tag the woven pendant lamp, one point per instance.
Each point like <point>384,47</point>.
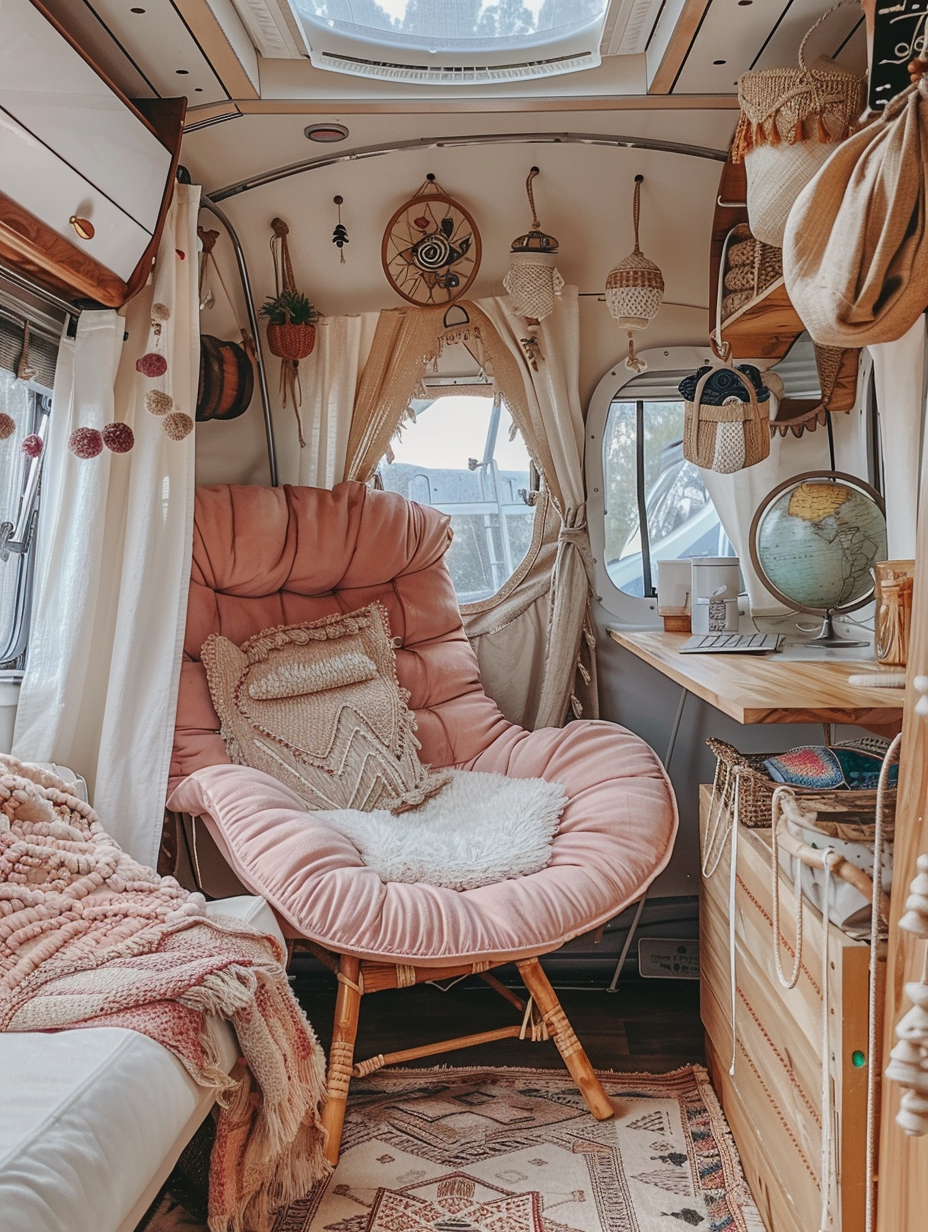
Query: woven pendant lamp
<point>533,280</point>
<point>634,290</point>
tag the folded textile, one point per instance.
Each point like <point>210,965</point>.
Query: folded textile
<point>90,938</point>
<point>847,766</point>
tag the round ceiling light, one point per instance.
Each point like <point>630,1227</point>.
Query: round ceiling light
<point>326,132</point>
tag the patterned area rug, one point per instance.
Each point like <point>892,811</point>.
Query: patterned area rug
<point>515,1150</point>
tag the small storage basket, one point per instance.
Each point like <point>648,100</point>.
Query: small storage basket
<point>750,268</point>
<point>741,779</point>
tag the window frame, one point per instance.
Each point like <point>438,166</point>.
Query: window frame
<point>442,387</point>
<point>18,538</point>
<point>627,609</point>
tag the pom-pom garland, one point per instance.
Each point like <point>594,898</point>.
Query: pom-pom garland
<point>177,425</point>
<point>33,445</point>
<point>85,443</point>
<point>158,402</point>
<point>118,437</point>
<point>152,364</point>
<point>7,426</point>
<point>160,312</point>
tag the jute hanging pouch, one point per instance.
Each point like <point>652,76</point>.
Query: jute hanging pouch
<point>725,420</point>
<point>791,121</point>
<point>855,253</point>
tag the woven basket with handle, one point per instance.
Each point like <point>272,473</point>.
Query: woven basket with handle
<point>843,814</point>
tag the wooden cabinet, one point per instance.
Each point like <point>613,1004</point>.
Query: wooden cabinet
<point>772,1039</point>
<point>86,176</point>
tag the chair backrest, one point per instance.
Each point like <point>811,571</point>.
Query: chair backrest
<point>264,557</point>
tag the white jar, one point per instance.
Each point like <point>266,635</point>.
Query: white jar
<point>715,577</point>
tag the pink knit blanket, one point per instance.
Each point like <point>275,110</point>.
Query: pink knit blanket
<point>90,938</point>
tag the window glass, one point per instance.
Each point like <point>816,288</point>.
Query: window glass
<point>460,456</point>
<point>653,478</point>
<point>450,25</point>
<point>19,488</point>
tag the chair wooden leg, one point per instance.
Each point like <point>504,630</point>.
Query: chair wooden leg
<point>341,1053</point>
<point>563,1035</point>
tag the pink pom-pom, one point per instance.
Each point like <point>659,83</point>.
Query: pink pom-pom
<point>85,443</point>
<point>177,425</point>
<point>32,446</point>
<point>152,364</point>
<point>7,425</point>
<point>118,437</point>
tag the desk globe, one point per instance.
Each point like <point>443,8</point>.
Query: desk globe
<point>814,541</point>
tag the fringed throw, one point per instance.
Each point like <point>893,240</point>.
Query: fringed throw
<point>90,938</point>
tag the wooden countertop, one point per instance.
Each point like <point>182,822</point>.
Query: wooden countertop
<point>788,687</point>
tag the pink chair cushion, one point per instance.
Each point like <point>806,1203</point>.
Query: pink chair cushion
<point>265,556</point>
<point>615,836</point>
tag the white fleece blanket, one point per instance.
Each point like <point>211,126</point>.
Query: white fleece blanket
<point>480,829</point>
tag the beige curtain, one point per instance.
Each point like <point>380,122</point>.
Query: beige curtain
<point>541,619</point>
<point>545,404</point>
<point>333,376</point>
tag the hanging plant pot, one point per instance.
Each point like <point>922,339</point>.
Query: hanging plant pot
<point>291,341</point>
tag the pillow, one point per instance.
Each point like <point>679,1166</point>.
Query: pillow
<point>483,829</point>
<point>318,706</point>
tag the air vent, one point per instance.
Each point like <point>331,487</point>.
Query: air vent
<point>632,24</point>
<point>453,75</point>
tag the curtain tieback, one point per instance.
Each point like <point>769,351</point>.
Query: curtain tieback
<point>577,537</point>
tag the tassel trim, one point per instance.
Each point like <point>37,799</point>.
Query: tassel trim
<point>768,131</point>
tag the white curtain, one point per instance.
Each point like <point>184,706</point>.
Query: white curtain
<point>553,432</point>
<point>331,379</point>
<point>899,375</point>
<point>737,496</point>
<point>113,553</point>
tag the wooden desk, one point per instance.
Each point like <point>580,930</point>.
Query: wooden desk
<point>770,688</point>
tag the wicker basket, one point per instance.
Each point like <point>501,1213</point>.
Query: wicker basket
<point>842,814</point>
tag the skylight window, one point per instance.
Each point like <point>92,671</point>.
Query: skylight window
<point>445,41</point>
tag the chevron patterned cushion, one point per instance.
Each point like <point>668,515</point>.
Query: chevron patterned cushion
<point>318,706</point>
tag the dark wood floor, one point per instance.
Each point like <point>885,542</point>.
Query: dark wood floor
<point>646,1025</point>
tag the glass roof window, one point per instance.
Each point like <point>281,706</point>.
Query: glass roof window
<point>453,41</point>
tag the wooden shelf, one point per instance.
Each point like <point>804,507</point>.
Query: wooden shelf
<point>767,326</point>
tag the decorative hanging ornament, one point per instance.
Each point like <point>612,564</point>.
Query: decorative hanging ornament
<point>340,234</point>
<point>431,247</point>
<point>634,290</point>
<point>533,281</point>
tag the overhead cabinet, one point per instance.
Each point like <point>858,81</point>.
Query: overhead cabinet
<point>86,177</point>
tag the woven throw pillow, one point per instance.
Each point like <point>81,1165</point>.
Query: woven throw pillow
<point>318,706</point>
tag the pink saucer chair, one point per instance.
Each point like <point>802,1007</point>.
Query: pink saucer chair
<point>264,557</point>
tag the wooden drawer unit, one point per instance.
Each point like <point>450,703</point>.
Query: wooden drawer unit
<point>773,1098</point>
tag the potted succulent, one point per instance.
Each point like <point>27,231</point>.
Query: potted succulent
<point>291,330</point>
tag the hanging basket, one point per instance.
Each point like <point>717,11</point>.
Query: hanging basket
<point>635,290</point>
<point>290,341</point>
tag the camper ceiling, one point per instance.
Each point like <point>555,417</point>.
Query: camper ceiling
<point>568,51</point>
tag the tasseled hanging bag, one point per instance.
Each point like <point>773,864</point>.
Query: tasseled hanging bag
<point>791,121</point>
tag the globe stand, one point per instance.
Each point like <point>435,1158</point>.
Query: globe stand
<point>828,637</point>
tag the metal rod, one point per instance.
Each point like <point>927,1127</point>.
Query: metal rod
<point>439,143</point>
<point>208,204</point>
<point>632,929</point>
<point>28,285</point>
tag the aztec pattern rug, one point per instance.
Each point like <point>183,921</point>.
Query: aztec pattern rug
<point>515,1150</point>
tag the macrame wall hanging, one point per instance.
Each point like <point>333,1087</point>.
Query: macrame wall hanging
<point>635,290</point>
<point>533,280</point>
<point>291,329</point>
